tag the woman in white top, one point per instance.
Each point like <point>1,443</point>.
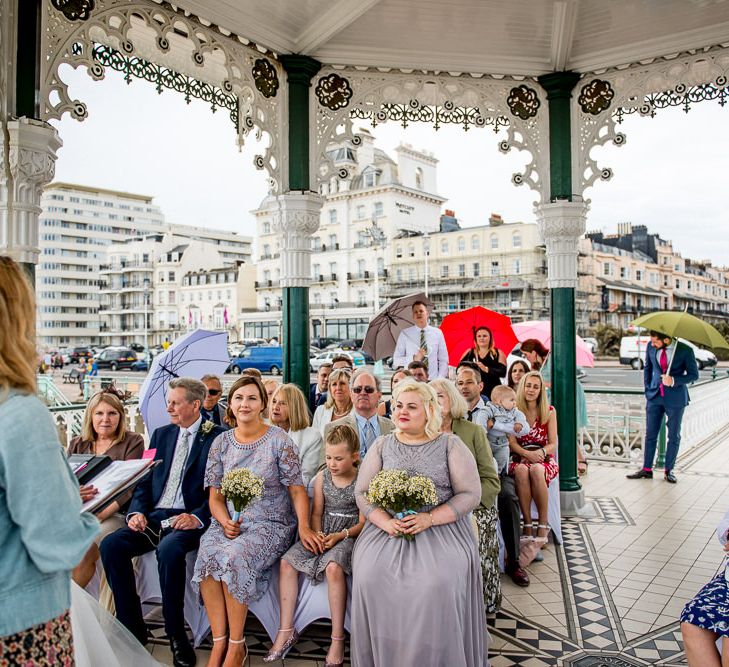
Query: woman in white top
<point>289,411</point>
<point>339,400</point>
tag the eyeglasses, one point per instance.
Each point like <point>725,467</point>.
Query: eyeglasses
<point>214,392</point>
<point>366,390</point>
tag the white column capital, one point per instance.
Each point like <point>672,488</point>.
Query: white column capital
<point>561,225</point>
<point>31,162</point>
<point>295,219</point>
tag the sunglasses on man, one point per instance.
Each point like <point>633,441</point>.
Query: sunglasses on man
<point>214,392</point>
<point>366,390</point>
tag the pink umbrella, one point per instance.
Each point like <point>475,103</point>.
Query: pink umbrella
<point>542,331</point>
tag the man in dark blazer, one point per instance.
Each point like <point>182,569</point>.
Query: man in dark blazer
<point>211,409</point>
<point>666,393</point>
<point>168,514</point>
<point>318,390</point>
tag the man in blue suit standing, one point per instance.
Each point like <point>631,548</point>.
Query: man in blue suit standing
<point>168,514</point>
<point>666,393</point>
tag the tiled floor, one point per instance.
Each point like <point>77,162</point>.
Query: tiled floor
<point>611,594</point>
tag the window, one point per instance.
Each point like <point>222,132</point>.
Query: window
<point>316,270</point>
<point>266,276</point>
<point>360,212</point>
<point>474,243</point>
<point>461,244</point>
<point>360,267</point>
<point>678,284</point>
<point>638,274</point>
<point>266,227</point>
<point>398,251</point>
<point>266,251</point>
<point>333,300</point>
<point>494,242</point>
<point>316,244</point>
<point>516,240</point>
<point>317,298</point>
<point>624,272</point>
<point>369,179</point>
<point>444,271</point>
<point>361,298</point>
<point>419,181</point>
<point>398,275</point>
<point>494,268</point>
<point>333,217</point>
<point>378,209</point>
<point>517,266</point>
<point>476,269</point>
<point>444,247</point>
<point>171,297</point>
<point>607,269</point>
<point>170,275</point>
<point>411,251</point>
<point>333,268</point>
<point>461,270</point>
<point>332,241</point>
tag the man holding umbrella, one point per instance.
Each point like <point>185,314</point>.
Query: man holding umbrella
<point>670,366</point>
<point>422,342</point>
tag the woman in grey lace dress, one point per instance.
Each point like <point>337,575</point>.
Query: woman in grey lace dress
<point>235,558</point>
<point>420,602</point>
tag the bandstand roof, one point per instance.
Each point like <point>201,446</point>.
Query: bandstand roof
<point>523,37</point>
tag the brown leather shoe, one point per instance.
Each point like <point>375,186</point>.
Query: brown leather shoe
<point>520,577</point>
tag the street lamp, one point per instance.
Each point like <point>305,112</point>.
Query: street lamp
<point>146,302</point>
<point>378,239</point>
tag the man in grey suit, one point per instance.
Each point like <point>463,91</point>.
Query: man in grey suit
<point>366,393</point>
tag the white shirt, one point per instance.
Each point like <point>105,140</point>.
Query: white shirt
<point>192,430</point>
<point>479,414</point>
<point>408,344</point>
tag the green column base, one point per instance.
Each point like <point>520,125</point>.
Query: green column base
<point>295,341</point>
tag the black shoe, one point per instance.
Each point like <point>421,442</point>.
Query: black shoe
<point>670,477</point>
<point>183,654</point>
<point>641,474</point>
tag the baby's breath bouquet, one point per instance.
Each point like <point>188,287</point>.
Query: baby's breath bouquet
<point>241,486</point>
<point>397,492</point>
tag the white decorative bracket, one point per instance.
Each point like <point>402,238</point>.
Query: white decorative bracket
<point>561,225</point>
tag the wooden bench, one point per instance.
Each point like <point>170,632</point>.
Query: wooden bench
<point>71,377</point>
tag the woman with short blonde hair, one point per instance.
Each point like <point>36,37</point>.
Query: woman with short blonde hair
<point>458,405</point>
<point>339,400</point>
<point>429,399</point>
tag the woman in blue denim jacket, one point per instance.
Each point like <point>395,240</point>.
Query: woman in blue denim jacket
<point>42,531</point>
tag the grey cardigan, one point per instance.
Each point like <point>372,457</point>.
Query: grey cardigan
<point>42,532</point>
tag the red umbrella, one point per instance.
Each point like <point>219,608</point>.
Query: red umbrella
<point>458,330</point>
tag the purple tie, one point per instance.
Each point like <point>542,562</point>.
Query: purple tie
<point>664,366</point>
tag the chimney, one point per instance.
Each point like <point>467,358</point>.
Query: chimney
<point>495,220</point>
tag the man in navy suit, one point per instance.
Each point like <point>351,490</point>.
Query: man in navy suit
<point>666,393</point>
<point>318,389</point>
<point>168,514</point>
<point>211,409</point>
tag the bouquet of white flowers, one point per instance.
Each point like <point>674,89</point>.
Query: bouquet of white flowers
<point>397,492</point>
<point>241,486</point>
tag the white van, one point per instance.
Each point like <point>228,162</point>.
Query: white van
<point>632,352</point>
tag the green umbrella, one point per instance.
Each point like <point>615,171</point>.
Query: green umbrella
<point>681,324</point>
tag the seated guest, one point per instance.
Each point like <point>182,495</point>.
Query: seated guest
<point>419,370</point>
<point>452,412</point>
<point>338,522</point>
<point>211,409</point>
<point>534,466</point>
<point>42,530</point>
<point>384,409</point>
<point>288,411</point>
<point>234,562</point>
<point>419,603</point>
<point>339,400</point>
<point>168,515</point>
<point>363,418</point>
<point>342,361</point>
<point>318,389</point>
<point>271,386</point>
<point>705,619</point>
<point>104,433</point>
<point>468,381</point>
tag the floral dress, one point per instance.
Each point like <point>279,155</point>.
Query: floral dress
<point>269,523</point>
<point>340,512</point>
<point>537,437</point>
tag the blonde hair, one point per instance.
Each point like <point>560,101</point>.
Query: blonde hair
<point>343,434</point>
<point>427,394</point>
<point>87,429</point>
<point>542,401</point>
<point>335,376</point>
<point>299,417</point>
<point>500,392</point>
<point>459,407</point>
<point>17,333</point>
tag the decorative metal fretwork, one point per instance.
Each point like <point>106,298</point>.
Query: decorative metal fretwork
<point>681,96</point>
<point>75,10</point>
<point>162,77</point>
<point>523,102</point>
<point>265,77</point>
<point>414,112</point>
<point>595,97</point>
<point>333,92</point>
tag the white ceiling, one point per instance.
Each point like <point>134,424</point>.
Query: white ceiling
<point>516,37</point>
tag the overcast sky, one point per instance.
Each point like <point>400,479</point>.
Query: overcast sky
<point>671,174</point>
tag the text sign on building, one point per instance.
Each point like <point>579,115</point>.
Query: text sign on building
<point>406,209</point>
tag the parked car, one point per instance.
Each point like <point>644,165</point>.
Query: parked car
<point>358,359</point>
<point>116,358</point>
<point>351,344</point>
<point>591,343</point>
<point>632,352</point>
<point>140,365</point>
<point>265,358</point>
<point>82,351</point>
<point>323,341</point>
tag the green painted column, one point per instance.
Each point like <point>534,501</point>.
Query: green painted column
<point>300,70</point>
<point>561,240</point>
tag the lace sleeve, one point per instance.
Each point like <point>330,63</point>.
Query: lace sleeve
<point>465,481</point>
<point>371,465</point>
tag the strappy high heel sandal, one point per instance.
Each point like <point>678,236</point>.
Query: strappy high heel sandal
<point>247,659</point>
<point>273,656</point>
<point>541,541</point>
<point>527,538</point>
<point>341,662</point>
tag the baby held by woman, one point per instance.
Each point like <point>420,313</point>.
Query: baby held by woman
<point>504,419</point>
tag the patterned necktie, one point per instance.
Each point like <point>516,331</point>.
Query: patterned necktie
<point>424,347</point>
<point>664,367</point>
<point>176,470</point>
<point>369,438</point>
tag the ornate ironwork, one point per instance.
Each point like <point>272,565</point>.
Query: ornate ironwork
<point>523,102</point>
<point>265,77</point>
<point>680,96</point>
<point>162,77</point>
<point>595,97</point>
<point>75,10</point>
<point>414,112</point>
<point>333,92</point>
